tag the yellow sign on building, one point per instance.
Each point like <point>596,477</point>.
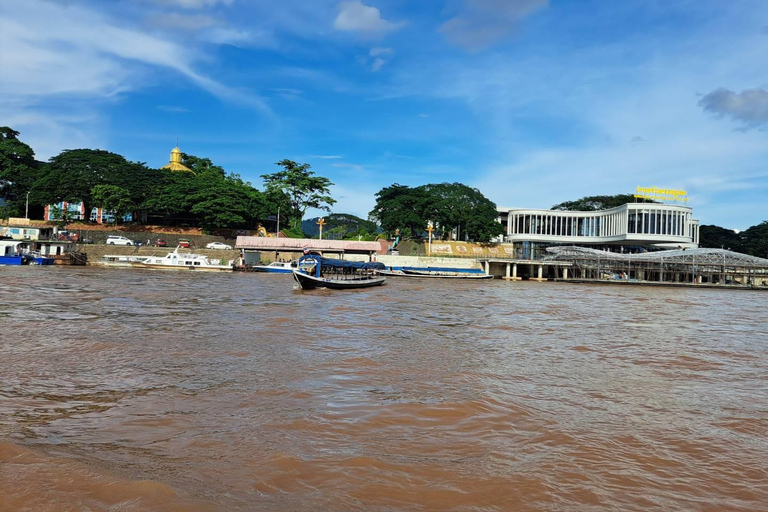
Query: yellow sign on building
<point>661,194</point>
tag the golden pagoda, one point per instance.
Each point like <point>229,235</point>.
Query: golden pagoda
<point>175,163</point>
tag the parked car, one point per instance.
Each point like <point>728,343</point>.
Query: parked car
<point>138,243</point>
<point>160,242</point>
<point>218,245</point>
<point>185,243</point>
<point>118,240</point>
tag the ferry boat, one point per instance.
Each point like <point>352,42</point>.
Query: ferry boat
<point>315,271</point>
<point>176,260</point>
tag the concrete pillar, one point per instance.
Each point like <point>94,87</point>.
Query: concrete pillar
<point>487,267</point>
<point>565,272</point>
<point>507,274</point>
<point>541,272</point>
<point>514,271</point>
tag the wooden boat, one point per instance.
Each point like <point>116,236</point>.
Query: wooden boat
<point>315,271</point>
<point>176,260</point>
<point>440,273</point>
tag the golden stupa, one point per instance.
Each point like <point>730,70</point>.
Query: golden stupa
<point>175,163</point>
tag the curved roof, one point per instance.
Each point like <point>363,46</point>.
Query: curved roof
<point>700,256</point>
<point>263,243</point>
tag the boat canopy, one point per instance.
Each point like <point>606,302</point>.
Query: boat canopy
<point>342,264</point>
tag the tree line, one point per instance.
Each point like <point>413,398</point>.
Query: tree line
<point>208,196</point>
<point>212,198</point>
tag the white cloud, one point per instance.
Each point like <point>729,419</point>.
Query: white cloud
<point>60,49</point>
<point>377,63</point>
<point>379,52</point>
<point>354,16</point>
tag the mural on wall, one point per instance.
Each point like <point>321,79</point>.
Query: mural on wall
<point>471,250</point>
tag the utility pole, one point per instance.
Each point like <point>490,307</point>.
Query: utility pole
<point>430,228</point>
<point>26,208</point>
<point>277,233</point>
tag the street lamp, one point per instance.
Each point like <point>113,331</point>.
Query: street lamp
<point>26,208</point>
<point>321,223</point>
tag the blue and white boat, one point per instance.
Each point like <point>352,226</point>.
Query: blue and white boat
<point>315,271</point>
<point>437,272</point>
<point>11,253</point>
<point>276,267</point>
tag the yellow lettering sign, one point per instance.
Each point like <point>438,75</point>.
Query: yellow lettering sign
<point>661,194</point>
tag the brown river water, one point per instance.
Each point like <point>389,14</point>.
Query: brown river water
<point>133,390</point>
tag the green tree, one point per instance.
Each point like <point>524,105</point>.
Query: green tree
<point>303,189</point>
<point>72,175</point>
<point>18,172</point>
<point>451,207</point>
<point>594,203</point>
<point>400,207</point>
<point>114,198</point>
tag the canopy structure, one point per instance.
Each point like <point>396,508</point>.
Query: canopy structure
<point>699,256</point>
<point>342,264</point>
<point>687,265</point>
<point>261,243</point>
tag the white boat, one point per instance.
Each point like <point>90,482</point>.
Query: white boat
<point>120,260</point>
<point>176,260</point>
<point>276,267</point>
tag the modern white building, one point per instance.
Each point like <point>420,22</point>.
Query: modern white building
<point>633,224</point>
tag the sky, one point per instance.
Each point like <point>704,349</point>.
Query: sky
<point>533,102</point>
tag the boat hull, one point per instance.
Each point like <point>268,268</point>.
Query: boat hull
<point>13,260</point>
<point>436,274</point>
<point>307,282</point>
<point>196,268</point>
<point>272,270</point>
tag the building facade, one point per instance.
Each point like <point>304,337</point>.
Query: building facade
<point>640,225</point>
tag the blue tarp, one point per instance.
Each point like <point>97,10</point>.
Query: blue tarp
<point>334,263</point>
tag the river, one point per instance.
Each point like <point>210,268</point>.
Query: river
<point>124,389</point>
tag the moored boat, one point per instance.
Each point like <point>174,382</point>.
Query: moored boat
<point>11,253</point>
<point>176,260</point>
<point>121,260</point>
<point>441,273</point>
<point>276,267</point>
<point>315,271</point>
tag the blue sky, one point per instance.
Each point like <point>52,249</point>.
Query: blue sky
<point>534,102</point>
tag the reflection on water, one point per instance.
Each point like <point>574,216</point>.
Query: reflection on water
<point>141,390</point>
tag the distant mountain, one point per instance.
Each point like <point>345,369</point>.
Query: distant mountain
<point>340,226</point>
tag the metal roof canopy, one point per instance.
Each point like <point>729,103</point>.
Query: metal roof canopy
<point>260,243</point>
<point>698,256</point>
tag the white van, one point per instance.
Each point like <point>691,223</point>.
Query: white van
<point>118,240</point>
